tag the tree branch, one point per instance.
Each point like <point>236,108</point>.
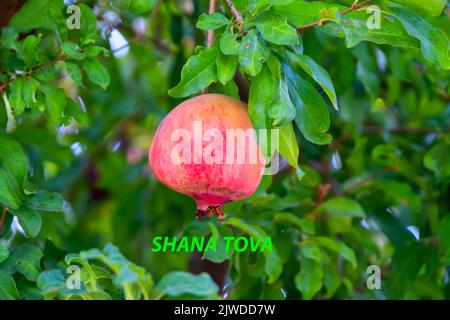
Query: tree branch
<point>2,219</point>
<point>212,9</point>
<point>235,12</point>
<point>3,86</point>
<point>355,6</point>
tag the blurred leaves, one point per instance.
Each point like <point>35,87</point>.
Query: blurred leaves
<point>374,194</point>
<point>178,283</point>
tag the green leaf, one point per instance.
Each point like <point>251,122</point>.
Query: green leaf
<point>212,21</point>
<point>55,101</point>
<point>366,70</point>
<point>25,259</point>
<point>72,50</point>
<point>336,246</point>
<point>331,280</point>
<point>309,280</point>
<point>340,212</point>
<point>29,91</point>
<point>141,6</point>
<point>29,50</point>
<point>113,257</point>
<point>220,255</point>
<point>29,220</point>
<point>433,7</point>
<point>126,276</point>
<point>273,264</point>
<point>9,38</point>
<point>38,14</point>
<point>282,110</point>
<point>319,74</point>
<point>74,110</point>
<point>352,26</point>
<point>96,72</point>
<point>88,24</point>
<point>45,201</point>
<point>51,282</point>
<point>13,160</point>
<point>8,197</point>
<point>226,67</point>
<point>444,236</point>
<point>263,90</point>
<point>312,116</point>
<point>92,254</point>
<point>312,251</point>
<point>306,225</point>
<point>198,73</point>
<point>15,96</point>
<point>252,53</point>
<point>4,252</point>
<point>433,41</point>
<point>275,29</point>
<point>288,147</point>
<point>74,71</point>
<point>405,267</point>
<point>93,51</point>
<point>436,160</point>
<point>229,89</point>
<point>256,7</point>
<point>8,290</point>
<point>245,227</point>
<point>228,43</point>
<point>340,206</point>
<point>177,283</point>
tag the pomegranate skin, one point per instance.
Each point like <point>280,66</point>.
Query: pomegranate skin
<point>209,184</point>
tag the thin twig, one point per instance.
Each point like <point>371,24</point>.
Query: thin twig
<point>235,12</point>
<point>39,66</point>
<point>355,6</point>
<point>2,219</point>
<point>210,38</point>
<point>155,11</point>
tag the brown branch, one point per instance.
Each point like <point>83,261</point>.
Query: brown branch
<point>235,12</point>
<point>355,6</point>
<point>3,86</point>
<point>210,37</point>
<point>2,219</point>
<point>212,9</point>
<point>7,83</point>
<point>321,192</point>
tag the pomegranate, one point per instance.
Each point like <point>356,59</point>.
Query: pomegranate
<point>206,148</point>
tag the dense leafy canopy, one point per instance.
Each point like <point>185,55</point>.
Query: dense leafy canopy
<point>363,114</point>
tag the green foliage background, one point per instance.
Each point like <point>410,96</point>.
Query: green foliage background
<point>364,116</point>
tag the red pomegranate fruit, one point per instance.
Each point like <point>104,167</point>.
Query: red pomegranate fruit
<point>206,148</point>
